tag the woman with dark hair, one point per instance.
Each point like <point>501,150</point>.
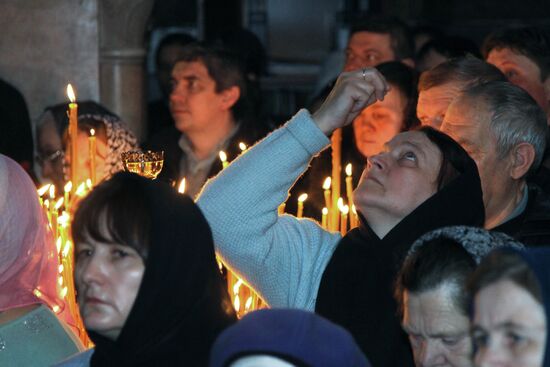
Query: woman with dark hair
<point>431,292</point>
<point>295,263</point>
<point>149,288</point>
<point>511,308</point>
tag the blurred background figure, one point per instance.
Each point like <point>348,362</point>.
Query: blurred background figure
<point>149,288</point>
<point>16,133</point>
<point>511,299</point>
<point>286,338</point>
<point>113,138</point>
<point>168,51</point>
<point>442,49</point>
<point>431,292</point>
<point>35,322</point>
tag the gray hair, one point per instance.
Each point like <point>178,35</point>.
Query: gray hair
<point>515,118</point>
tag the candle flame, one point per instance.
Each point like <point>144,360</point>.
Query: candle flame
<point>327,183</point>
<point>37,293</point>
<point>237,286</point>
<point>237,304</point>
<point>181,187</point>
<point>59,203</point>
<point>41,191</point>
<point>52,191</point>
<point>248,303</point>
<point>47,204</point>
<point>92,132</point>
<point>56,308</point>
<point>60,268</point>
<point>302,198</point>
<point>63,221</point>
<point>344,209</point>
<point>89,183</point>
<point>81,190</point>
<point>63,292</point>
<point>67,248</point>
<point>340,203</point>
<point>353,209</point>
<point>242,146</point>
<point>60,281</point>
<point>325,211</point>
<point>223,156</point>
<point>70,93</point>
<point>68,186</point>
<point>348,169</point>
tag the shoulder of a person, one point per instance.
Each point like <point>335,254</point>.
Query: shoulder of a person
<point>81,359</point>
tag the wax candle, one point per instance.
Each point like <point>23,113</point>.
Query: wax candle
<point>324,218</point>
<point>92,153</point>
<point>353,219</point>
<point>73,130</point>
<point>344,219</point>
<point>326,188</point>
<point>336,142</point>
<point>66,191</point>
<point>349,183</point>
<point>301,200</point>
<point>223,158</point>
<point>281,209</point>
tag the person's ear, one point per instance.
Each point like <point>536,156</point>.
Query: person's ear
<point>230,96</point>
<point>522,158</point>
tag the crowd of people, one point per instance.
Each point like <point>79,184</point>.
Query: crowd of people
<point>448,266</point>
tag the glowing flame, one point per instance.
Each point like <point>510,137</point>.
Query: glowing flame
<point>237,304</point>
<point>345,209</point>
<point>89,183</point>
<point>60,281</point>
<point>340,204</point>
<point>325,211</point>
<point>56,308</point>
<point>70,93</point>
<point>242,146</point>
<point>237,286</point>
<point>327,183</point>
<point>63,292</point>
<point>67,248</point>
<point>37,293</point>
<point>63,221</point>
<point>68,187</point>
<point>59,203</point>
<point>60,268</point>
<point>52,191</point>
<point>43,189</point>
<point>353,209</point>
<point>181,187</point>
<point>302,198</point>
<point>81,190</point>
<point>92,132</point>
<point>348,169</point>
<point>47,204</point>
<point>248,303</point>
<point>223,156</point>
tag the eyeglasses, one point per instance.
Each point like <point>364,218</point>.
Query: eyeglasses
<point>50,157</point>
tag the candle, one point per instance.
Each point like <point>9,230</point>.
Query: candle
<point>344,209</point>
<point>301,200</point>
<point>353,220</point>
<point>51,207</point>
<point>336,142</point>
<point>73,130</point>
<point>181,187</point>
<point>242,146</point>
<point>349,184</point>
<point>223,158</point>
<point>281,209</point>
<point>324,218</point>
<point>67,189</point>
<point>326,187</point>
<point>92,152</point>
<point>41,191</point>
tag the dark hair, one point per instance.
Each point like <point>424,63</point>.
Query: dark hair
<point>504,265</point>
<point>454,157</point>
<point>466,71</point>
<point>450,47</point>
<point>400,36</point>
<point>532,42</point>
<point>115,212</point>
<point>225,68</point>
<point>404,78</point>
<point>439,261</point>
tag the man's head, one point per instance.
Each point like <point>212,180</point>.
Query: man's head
<point>523,55</point>
<point>376,40</point>
<point>504,131</point>
<point>439,86</point>
<point>208,86</point>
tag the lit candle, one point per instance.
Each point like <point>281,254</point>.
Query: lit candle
<point>324,218</point>
<point>223,158</point>
<point>301,200</point>
<point>353,220</point>
<point>326,188</point>
<point>281,209</point>
<point>242,146</point>
<point>41,191</point>
<point>67,189</point>
<point>73,130</point>
<point>344,209</point>
<point>349,184</point>
<point>92,152</point>
<point>181,187</point>
<point>336,142</point>
<point>51,205</point>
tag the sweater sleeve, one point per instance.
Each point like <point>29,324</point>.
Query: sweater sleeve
<point>280,256</point>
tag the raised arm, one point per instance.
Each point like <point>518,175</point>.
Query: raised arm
<point>282,257</point>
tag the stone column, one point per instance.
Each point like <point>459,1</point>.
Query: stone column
<point>122,59</point>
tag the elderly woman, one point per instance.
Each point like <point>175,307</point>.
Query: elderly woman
<point>407,190</point>
<point>511,298</point>
<point>286,338</point>
<point>149,288</point>
<point>30,333</point>
<point>431,290</point>
<point>113,138</point>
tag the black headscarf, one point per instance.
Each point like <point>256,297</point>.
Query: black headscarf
<point>182,303</point>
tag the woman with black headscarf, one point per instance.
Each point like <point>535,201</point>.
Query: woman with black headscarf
<point>149,289</point>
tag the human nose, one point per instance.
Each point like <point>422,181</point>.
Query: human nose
<point>93,270</point>
<point>489,356</point>
<point>377,161</point>
<point>430,354</point>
